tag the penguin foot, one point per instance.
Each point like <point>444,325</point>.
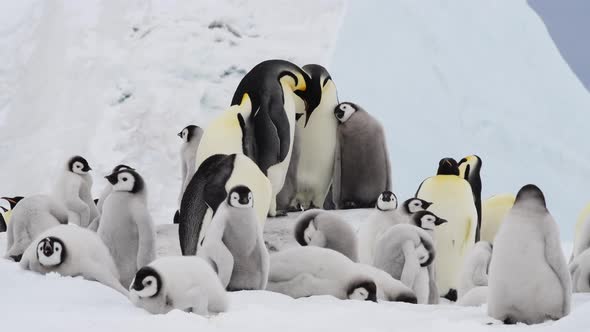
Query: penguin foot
<point>296,208</point>
<point>451,295</point>
<point>281,213</point>
<point>349,205</point>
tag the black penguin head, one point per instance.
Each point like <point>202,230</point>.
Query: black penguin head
<point>448,166</point>
<point>147,283</point>
<point>121,167</point>
<point>51,252</point>
<point>415,204</point>
<point>78,165</point>
<point>469,167</point>
<point>530,195</point>
<point>126,180</point>
<point>362,290</point>
<point>427,220</point>
<point>13,201</point>
<point>240,197</point>
<point>387,201</point>
<point>187,133</point>
<point>318,80</point>
<point>344,111</point>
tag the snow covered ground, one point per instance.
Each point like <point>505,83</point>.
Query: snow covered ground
<point>29,302</point>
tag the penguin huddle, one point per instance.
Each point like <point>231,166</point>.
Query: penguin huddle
<point>287,144</point>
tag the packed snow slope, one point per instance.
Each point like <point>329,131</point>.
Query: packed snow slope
<point>115,81</point>
<point>452,78</point>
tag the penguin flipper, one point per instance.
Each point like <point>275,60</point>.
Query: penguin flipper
<point>556,261</point>
<point>267,140</point>
<point>2,224</point>
<point>337,177</point>
<point>280,120</point>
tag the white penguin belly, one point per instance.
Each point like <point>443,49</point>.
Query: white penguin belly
<point>316,161</point>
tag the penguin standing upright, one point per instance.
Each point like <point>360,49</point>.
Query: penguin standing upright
<point>191,138</point>
<point>207,190</point>
<point>493,211</point>
<point>582,232</point>
<point>362,169</point>
<point>318,140</point>
<point>261,121</point>
<point>452,199</point>
<point>529,281</point>
<point>469,169</point>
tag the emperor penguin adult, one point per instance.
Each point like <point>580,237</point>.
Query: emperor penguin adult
<point>362,168</point>
<point>529,281</point>
<point>209,188</point>
<point>32,216</point>
<point>191,138</point>
<point>469,169</point>
<point>324,229</point>
<point>73,251</point>
<point>7,210</point>
<point>452,199</point>
<point>126,226</point>
<point>318,128</point>
<point>582,232</point>
<point>178,282</point>
<point>234,244</point>
<point>74,190</point>
<point>494,210</point>
<point>261,121</point>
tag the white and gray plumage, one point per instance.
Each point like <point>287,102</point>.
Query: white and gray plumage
<point>324,229</point>
<point>405,252</point>
<point>74,190</point>
<point>234,244</point>
<point>191,137</point>
<point>475,297</point>
<point>580,272</point>
<point>529,281</point>
<point>178,282</point>
<point>475,268</point>
<point>362,168</point>
<point>428,221</point>
<point>385,215</point>
<point>309,271</point>
<point>126,226</point>
<point>74,251</point>
<point>108,189</point>
<point>32,216</point>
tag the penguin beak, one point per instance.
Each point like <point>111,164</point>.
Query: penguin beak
<point>47,249</point>
<point>3,209</point>
<point>87,168</point>
<point>112,178</point>
<point>427,205</point>
<point>179,134</point>
<point>440,222</point>
<point>339,113</point>
<point>244,200</point>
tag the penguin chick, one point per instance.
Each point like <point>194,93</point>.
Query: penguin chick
<point>103,196</point>
<point>234,244</point>
<point>475,268</point>
<point>32,216</point>
<point>74,190</point>
<point>580,271</point>
<point>529,281</point>
<point>405,251</point>
<point>72,251</point>
<point>191,137</point>
<point>385,215</point>
<point>311,271</point>
<point>327,230</point>
<point>178,282</point>
<point>126,226</point>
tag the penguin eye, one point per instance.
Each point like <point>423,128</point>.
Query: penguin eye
<point>149,282</point>
<point>125,179</point>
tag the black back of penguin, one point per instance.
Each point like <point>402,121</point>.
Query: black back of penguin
<point>206,189</point>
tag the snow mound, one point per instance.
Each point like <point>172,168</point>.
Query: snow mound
<point>460,77</point>
<point>115,81</point>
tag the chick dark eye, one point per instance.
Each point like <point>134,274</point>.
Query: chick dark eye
<point>56,249</point>
<point>149,282</point>
<point>124,179</point>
